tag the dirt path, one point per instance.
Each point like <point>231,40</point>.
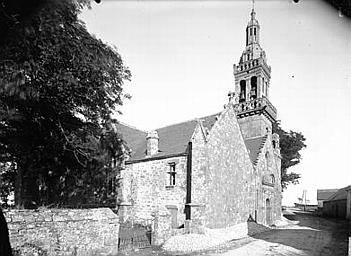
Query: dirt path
<point>311,237</point>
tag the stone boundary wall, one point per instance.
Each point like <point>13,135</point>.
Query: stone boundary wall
<point>56,232</point>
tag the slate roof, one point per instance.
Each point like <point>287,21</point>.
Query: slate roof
<point>341,194</point>
<point>254,147</point>
<point>324,194</point>
<point>173,139</point>
<point>133,138</point>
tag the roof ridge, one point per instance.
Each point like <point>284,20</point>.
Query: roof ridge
<point>193,119</point>
<point>337,193</point>
<point>252,138</point>
<point>131,126</point>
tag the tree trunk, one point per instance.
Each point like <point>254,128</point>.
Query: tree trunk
<point>19,187</point>
<point>26,189</point>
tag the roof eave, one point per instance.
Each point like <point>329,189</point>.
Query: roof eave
<point>155,158</point>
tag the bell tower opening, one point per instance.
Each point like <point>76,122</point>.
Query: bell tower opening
<point>242,95</point>
<point>253,92</point>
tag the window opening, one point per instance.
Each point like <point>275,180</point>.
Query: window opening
<point>172,174</point>
<point>272,179</point>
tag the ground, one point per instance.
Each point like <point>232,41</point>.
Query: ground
<point>313,235</point>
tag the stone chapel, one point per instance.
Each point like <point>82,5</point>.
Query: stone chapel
<point>216,171</point>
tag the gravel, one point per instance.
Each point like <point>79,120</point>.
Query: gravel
<point>211,238</point>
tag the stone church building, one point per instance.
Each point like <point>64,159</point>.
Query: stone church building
<point>215,171</point>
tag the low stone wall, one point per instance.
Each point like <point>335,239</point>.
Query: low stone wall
<point>64,231</point>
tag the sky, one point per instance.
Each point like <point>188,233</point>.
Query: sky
<point>181,56</point>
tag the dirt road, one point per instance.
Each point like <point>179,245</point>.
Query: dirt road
<point>311,237</point>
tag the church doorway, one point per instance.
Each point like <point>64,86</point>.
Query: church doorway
<point>268,212</point>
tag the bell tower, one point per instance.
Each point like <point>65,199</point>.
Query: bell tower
<point>252,76</point>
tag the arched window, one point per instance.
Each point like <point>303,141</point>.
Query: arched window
<point>242,96</point>
<point>254,31</point>
<point>272,179</point>
<point>250,31</point>
<point>253,91</point>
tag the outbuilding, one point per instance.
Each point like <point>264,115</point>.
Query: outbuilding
<point>339,204</point>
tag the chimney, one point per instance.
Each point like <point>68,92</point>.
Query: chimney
<point>231,96</point>
<point>151,143</point>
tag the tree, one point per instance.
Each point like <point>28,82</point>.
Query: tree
<point>290,145</point>
<point>59,87</point>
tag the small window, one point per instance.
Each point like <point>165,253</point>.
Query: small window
<point>172,174</point>
<point>254,31</point>
<point>250,31</point>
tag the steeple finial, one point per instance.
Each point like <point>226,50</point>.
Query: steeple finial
<point>253,10</point>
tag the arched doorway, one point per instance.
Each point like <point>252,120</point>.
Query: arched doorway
<point>268,212</point>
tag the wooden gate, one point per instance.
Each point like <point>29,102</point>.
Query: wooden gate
<point>133,237</point>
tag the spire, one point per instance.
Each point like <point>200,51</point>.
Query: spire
<point>252,29</point>
<point>253,14</point>
<point>253,10</point>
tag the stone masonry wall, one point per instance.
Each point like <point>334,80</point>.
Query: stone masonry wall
<point>148,190</point>
<point>254,126</point>
<point>267,166</point>
<point>198,178</point>
<point>64,231</point>
<point>228,175</point>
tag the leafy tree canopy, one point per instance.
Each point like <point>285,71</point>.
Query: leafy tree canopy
<point>59,87</point>
<point>290,145</point>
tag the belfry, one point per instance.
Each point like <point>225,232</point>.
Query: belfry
<point>252,76</point>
